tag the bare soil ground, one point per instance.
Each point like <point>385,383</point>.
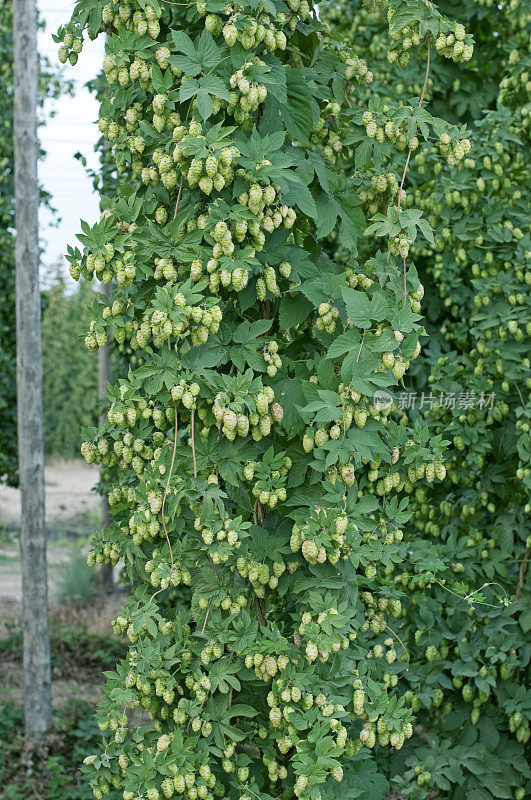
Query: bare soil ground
<point>72,510</point>
<point>69,494</point>
<point>71,507</point>
<point>82,644</point>
<point>11,574</point>
<point>76,676</point>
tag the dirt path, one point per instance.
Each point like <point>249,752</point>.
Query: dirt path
<point>71,506</point>
<point>69,495</point>
<point>72,511</point>
<point>11,574</point>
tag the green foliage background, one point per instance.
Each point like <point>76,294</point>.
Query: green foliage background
<point>467,629</point>
<point>70,383</point>
<point>50,85</point>
<point>8,423</point>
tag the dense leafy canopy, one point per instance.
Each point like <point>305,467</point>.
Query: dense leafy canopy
<point>469,651</point>
<point>260,256</point>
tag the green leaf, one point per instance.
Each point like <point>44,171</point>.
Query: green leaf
<point>525,620</point>
<point>202,91</point>
<point>295,193</point>
<point>496,783</point>
<point>215,86</point>
<point>208,51</point>
<point>301,113</point>
<point>204,104</point>
<point>363,154</point>
<point>275,78</point>
<point>251,330</point>
<point>360,780</point>
<point>344,343</point>
<point>205,57</point>
<point>183,43</point>
<point>326,215</point>
<point>293,311</point>
<point>358,307</point>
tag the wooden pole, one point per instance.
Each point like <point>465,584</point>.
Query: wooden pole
<point>104,378</point>
<point>36,657</point>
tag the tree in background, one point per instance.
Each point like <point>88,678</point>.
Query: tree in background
<point>70,370</point>
<point>8,395</point>
<point>467,629</point>
<point>49,86</point>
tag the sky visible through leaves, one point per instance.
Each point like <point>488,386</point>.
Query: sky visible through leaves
<point>72,129</point>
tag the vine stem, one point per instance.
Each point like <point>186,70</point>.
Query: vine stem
<point>470,596</point>
<point>421,100</point>
<point>406,651</point>
<point>298,52</point>
<point>361,347</point>
<point>520,393</point>
<point>175,410</point>
<point>178,196</point>
<point>206,616</point>
<point>523,570</point>
<point>527,555</point>
<point>168,484</point>
<point>192,424</point>
<point>258,513</point>
<point>403,179</point>
<point>155,594</point>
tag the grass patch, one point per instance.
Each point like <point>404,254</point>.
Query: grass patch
<point>8,558</point>
<point>82,525</point>
<point>72,651</point>
<point>76,583</point>
<point>50,770</point>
